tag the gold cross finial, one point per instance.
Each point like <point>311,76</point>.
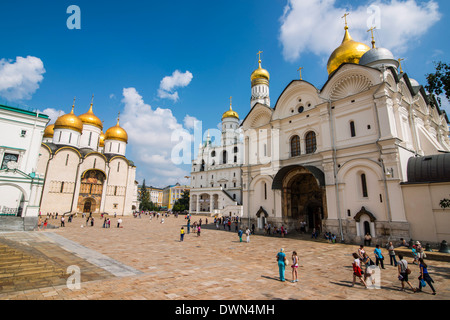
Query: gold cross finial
<point>300,69</point>
<point>231,102</point>
<point>92,100</point>
<point>373,39</point>
<point>345,17</point>
<point>259,54</point>
<point>400,65</point>
<point>73,105</point>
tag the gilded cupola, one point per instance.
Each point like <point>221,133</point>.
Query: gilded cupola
<point>69,121</point>
<point>350,51</point>
<point>116,133</point>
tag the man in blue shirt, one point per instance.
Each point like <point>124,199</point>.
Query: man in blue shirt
<point>379,256</point>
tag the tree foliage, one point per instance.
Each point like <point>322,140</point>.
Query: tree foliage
<point>182,204</point>
<point>438,83</point>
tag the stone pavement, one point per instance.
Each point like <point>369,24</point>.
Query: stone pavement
<point>145,260</point>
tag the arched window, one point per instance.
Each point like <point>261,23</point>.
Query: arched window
<point>295,146</point>
<point>352,129</point>
<point>224,157</point>
<point>310,142</point>
<point>213,154</point>
<point>202,168</point>
<point>236,149</point>
<point>364,186</point>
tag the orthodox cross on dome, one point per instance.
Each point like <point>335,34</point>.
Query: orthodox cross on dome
<point>231,102</point>
<point>345,17</point>
<point>73,105</point>
<point>259,54</point>
<point>373,39</point>
<point>300,70</point>
<point>400,65</point>
<point>92,100</point>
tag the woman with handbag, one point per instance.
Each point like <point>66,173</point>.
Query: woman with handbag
<point>403,272</point>
<point>425,277</point>
<point>282,261</point>
<point>357,272</point>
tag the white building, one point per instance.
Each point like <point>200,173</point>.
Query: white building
<point>86,170</point>
<point>20,182</point>
<point>336,157</point>
<point>216,177</point>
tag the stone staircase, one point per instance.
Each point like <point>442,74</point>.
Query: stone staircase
<point>20,270</point>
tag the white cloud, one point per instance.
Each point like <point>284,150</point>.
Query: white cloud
<point>189,122</point>
<point>20,79</point>
<point>150,135</point>
<point>53,114</point>
<point>316,26</point>
<point>170,83</point>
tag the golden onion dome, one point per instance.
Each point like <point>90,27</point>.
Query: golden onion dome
<point>101,141</point>
<point>230,114</point>
<point>91,119</point>
<point>349,51</point>
<point>260,73</point>
<point>116,133</point>
<point>49,130</point>
<point>69,121</point>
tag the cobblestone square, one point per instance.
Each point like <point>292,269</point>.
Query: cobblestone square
<point>145,260</point>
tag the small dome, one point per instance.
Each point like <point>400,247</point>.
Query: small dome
<point>91,119</point>
<point>378,56</point>
<point>230,114</point>
<point>349,51</point>
<point>260,75</point>
<point>69,121</point>
<point>414,83</point>
<point>49,130</point>
<point>116,133</point>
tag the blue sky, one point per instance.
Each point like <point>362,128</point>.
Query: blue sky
<point>125,49</point>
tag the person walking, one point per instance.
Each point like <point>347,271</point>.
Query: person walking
<point>62,222</point>
<point>294,267</point>
<point>281,258</point>
<point>425,276</point>
<point>119,222</point>
<point>248,232</point>
<point>181,234</point>
<point>45,224</point>
<point>392,254</point>
<point>357,271</point>
<point>361,252</point>
<point>369,267</point>
<point>240,233</point>
<point>198,231</point>
<point>403,273</point>
<point>92,221</point>
<point>379,256</point>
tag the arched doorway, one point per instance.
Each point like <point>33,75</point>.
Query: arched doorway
<point>303,199</point>
<point>91,190</point>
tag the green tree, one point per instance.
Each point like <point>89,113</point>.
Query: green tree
<point>182,203</point>
<point>144,198</point>
<point>439,82</point>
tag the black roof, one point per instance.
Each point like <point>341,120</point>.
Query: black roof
<point>429,169</point>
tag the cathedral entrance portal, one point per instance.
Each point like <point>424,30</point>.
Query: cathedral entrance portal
<point>91,190</point>
<point>303,199</point>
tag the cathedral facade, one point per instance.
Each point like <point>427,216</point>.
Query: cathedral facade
<point>336,158</point>
<point>86,170</point>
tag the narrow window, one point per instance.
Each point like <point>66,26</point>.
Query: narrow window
<point>224,157</point>
<point>265,191</point>
<point>115,190</point>
<point>295,146</point>
<point>118,148</point>
<point>310,142</point>
<point>67,160</point>
<point>352,129</point>
<point>60,134</point>
<point>364,185</point>
<point>95,161</point>
<point>90,137</point>
<point>110,146</point>
<point>62,187</point>
<point>118,166</point>
<point>70,138</point>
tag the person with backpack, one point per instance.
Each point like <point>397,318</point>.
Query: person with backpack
<point>403,273</point>
<point>240,233</point>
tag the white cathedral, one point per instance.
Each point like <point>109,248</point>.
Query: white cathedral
<point>86,170</point>
<point>366,153</point>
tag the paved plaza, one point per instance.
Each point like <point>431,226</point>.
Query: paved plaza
<point>145,260</point>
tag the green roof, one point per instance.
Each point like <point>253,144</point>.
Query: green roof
<point>31,113</point>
